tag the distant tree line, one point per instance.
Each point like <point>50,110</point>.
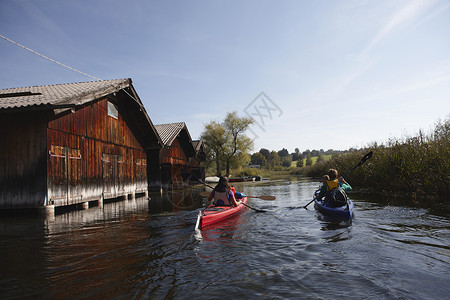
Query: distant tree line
<point>228,148</point>
<point>282,158</point>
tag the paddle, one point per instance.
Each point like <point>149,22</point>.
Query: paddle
<point>206,194</point>
<point>363,160</point>
<point>268,198</point>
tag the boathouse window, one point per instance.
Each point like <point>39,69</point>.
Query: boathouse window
<point>112,110</point>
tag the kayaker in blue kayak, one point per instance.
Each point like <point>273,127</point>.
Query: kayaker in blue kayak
<point>222,194</point>
<point>333,187</point>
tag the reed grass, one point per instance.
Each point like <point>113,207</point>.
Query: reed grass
<point>416,167</point>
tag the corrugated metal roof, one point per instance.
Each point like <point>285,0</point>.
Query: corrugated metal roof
<point>168,132</point>
<point>59,94</point>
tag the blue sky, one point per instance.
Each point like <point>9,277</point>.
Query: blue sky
<point>333,74</point>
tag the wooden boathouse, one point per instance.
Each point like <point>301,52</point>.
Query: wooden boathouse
<point>195,162</point>
<point>69,144</point>
<point>176,155</point>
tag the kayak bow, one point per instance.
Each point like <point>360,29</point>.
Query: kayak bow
<point>214,214</point>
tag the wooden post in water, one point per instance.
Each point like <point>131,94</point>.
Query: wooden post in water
<point>47,210</point>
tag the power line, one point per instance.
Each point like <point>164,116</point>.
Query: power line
<point>43,56</point>
<point>73,69</point>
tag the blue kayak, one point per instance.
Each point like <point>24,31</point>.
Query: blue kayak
<point>341,212</point>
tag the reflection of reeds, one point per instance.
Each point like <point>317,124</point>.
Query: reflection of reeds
<point>416,167</point>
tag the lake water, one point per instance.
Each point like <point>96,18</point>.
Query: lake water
<point>140,249</point>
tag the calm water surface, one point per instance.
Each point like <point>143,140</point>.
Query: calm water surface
<point>149,250</point>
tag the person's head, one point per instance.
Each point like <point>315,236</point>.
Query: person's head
<point>333,173</point>
<point>325,178</point>
<point>222,185</point>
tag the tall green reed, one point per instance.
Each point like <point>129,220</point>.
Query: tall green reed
<point>416,167</point>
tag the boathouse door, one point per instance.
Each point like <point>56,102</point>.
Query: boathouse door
<point>65,176</point>
<point>113,173</point>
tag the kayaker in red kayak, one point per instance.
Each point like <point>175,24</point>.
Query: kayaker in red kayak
<point>222,194</point>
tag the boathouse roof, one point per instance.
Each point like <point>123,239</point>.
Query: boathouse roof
<point>169,132</point>
<point>59,95</point>
<point>62,97</point>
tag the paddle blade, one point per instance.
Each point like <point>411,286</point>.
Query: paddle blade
<point>366,157</point>
<point>268,198</point>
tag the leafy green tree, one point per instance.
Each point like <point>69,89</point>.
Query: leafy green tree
<point>258,159</point>
<point>283,152</point>
<point>275,160</point>
<point>286,163</point>
<point>309,161</point>
<point>238,143</point>
<point>320,158</point>
<point>228,144</point>
<point>266,153</point>
<point>300,162</point>
<point>215,138</point>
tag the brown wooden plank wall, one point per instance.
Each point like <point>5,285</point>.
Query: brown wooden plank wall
<point>174,154</point>
<point>23,159</point>
<point>102,155</point>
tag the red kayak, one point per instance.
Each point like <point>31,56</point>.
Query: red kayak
<point>214,214</point>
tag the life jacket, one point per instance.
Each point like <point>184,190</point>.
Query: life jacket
<point>335,195</point>
<point>332,184</point>
<point>221,199</point>
<point>237,195</point>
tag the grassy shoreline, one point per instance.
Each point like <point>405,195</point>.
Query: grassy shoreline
<point>415,168</point>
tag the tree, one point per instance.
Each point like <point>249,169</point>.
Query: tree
<point>309,161</point>
<point>266,153</point>
<point>275,160</point>
<point>215,138</point>
<point>227,142</point>
<point>283,152</point>
<point>320,158</point>
<point>238,143</point>
<point>258,159</point>
<point>300,162</point>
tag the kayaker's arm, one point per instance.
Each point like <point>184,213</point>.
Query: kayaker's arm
<point>344,184</point>
<point>234,201</point>
<point>211,196</point>
<point>323,190</point>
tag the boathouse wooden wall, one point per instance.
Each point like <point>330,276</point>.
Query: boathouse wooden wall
<point>74,157</point>
<point>173,159</point>
<point>23,159</point>
<point>93,154</point>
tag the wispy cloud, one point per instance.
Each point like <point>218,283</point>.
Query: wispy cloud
<point>410,13</point>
